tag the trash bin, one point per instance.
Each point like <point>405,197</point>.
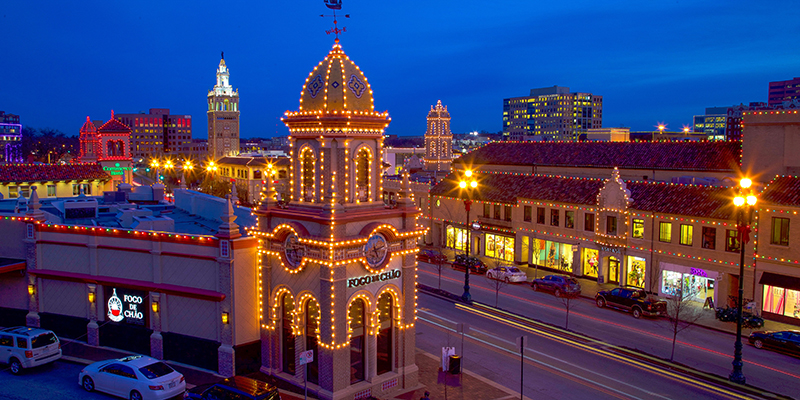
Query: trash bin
<point>454,365</point>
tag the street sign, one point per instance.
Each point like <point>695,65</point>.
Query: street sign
<point>306,357</point>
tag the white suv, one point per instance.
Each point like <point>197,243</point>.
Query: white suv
<point>23,347</point>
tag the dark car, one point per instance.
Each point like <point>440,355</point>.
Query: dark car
<point>431,256</point>
<point>784,341</point>
<point>632,300</point>
<point>558,284</point>
<point>476,266</point>
<point>235,388</point>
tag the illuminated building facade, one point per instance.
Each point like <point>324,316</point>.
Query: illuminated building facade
<point>783,91</point>
<point>551,113</point>
<point>223,116</point>
<point>438,140</point>
<point>337,268</point>
<point>10,138</point>
<point>109,146</point>
<point>158,133</point>
<point>713,124</point>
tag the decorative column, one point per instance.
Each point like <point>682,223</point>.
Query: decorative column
<point>227,231</point>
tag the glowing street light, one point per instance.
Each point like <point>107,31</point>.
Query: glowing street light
<point>468,183</point>
<point>747,197</point>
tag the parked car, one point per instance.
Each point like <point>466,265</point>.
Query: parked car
<point>133,377</point>
<point>784,341</point>
<point>431,256</point>
<point>476,266</point>
<point>508,273</point>
<point>560,285</point>
<point>635,301</point>
<point>236,388</point>
<point>23,347</point>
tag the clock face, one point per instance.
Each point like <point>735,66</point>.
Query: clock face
<point>293,249</point>
<point>375,250</point>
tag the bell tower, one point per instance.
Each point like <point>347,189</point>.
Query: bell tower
<point>338,267</point>
<point>223,116</point>
<point>438,140</point>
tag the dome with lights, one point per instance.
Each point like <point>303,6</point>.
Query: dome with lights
<point>337,92</point>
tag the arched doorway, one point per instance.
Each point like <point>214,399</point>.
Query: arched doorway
<point>357,340</point>
<point>312,326</point>
<point>384,343</point>
<point>287,335</point>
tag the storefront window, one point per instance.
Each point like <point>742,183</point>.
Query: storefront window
<point>635,273</point>
<point>552,254</point>
<point>782,301</point>
<point>590,262</point>
<point>695,287</point>
<point>456,238</point>
<point>501,247</point>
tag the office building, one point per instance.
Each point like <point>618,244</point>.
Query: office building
<point>783,91</point>
<point>10,138</point>
<point>551,113</point>
<point>158,133</point>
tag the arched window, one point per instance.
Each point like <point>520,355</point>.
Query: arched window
<point>287,336</point>
<point>120,148</point>
<point>384,347</point>
<point>307,174</point>
<point>110,148</point>
<point>312,324</point>
<point>357,340</point>
<point>362,175</point>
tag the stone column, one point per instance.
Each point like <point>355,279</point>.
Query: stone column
<point>31,257</point>
<point>334,349</point>
<point>407,338</point>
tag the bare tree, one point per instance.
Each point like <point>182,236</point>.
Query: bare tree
<point>567,302</point>
<point>681,313</point>
<point>496,283</point>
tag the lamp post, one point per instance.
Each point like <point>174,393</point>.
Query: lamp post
<point>467,183</point>
<point>744,203</point>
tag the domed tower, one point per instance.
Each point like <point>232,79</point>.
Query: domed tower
<point>337,267</point>
<point>90,143</point>
<point>438,140</point>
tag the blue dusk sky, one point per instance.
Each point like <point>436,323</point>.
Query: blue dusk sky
<point>652,61</point>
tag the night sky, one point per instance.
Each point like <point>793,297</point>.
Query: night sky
<point>652,61</point>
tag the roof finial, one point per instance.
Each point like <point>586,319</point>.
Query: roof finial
<point>223,55</point>
<point>112,114</point>
<point>87,119</point>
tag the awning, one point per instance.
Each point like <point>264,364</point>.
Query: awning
<point>783,281</point>
<point>11,264</point>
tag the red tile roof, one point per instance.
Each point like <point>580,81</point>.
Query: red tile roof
<point>783,190</point>
<point>694,156</point>
<point>661,198</point>
<point>114,125</point>
<point>50,172</point>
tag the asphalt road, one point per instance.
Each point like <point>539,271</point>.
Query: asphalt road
<point>698,347</point>
<point>57,380</point>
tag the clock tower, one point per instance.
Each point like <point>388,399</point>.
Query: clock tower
<point>223,116</point>
<point>337,267</point>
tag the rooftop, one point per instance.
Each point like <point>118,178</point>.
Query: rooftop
<point>51,172</point>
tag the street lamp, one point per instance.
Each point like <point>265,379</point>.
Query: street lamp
<point>744,203</point>
<point>467,183</point>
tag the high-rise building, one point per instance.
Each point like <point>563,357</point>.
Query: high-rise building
<point>782,91</point>
<point>10,138</point>
<point>223,116</point>
<point>158,133</point>
<point>551,113</point>
<point>438,140</point>
<point>713,123</point>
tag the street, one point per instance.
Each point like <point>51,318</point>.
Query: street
<point>58,380</point>
<point>697,347</point>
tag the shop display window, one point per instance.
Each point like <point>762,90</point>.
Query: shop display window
<point>456,238</point>
<point>694,287</point>
<point>501,247</point>
<point>553,254</point>
<point>591,262</point>
<point>782,301</point>
<point>638,228</point>
<point>636,272</point>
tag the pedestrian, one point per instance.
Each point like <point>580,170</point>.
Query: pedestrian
<point>425,397</point>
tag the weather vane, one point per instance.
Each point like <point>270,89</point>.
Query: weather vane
<point>335,5</point>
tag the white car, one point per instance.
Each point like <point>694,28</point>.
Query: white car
<point>24,347</point>
<point>508,273</point>
<point>133,377</point>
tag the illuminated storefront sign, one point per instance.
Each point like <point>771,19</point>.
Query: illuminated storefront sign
<point>367,279</point>
<point>126,305</point>
<point>116,169</point>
